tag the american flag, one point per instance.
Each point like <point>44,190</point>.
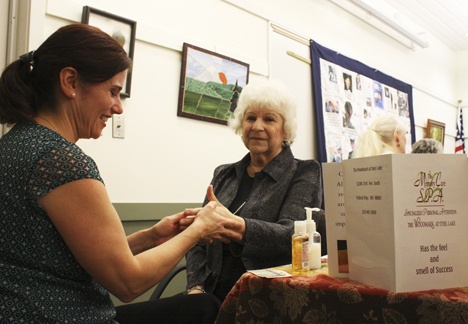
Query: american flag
<point>460,138</point>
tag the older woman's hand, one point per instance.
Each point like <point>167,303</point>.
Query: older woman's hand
<point>214,226</point>
<point>222,210</point>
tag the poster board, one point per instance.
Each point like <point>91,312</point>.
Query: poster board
<point>348,96</point>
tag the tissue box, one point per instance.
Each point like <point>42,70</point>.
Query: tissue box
<point>407,220</point>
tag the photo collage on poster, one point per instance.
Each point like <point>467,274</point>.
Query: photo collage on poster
<point>350,103</point>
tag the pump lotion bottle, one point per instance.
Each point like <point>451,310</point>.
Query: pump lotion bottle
<point>315,240</point>
<point>300,248</point>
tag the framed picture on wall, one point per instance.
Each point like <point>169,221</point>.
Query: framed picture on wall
<point>210,84</point>
<point>122,29</point>
<point>435,130</point>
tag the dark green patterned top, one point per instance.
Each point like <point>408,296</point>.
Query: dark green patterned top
<point>40,280</point>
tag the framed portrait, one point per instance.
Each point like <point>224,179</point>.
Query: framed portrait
<point>435,130</point>
<point>122,29</point>
<point>210,84</point>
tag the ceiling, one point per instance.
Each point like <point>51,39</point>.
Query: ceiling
<point>446,20</point>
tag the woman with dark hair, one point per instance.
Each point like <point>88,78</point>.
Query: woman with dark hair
<point>62,244</point>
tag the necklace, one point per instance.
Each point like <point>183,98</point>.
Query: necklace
<point>55,128</point>
<point>251,170</point>
<point>240,207</point>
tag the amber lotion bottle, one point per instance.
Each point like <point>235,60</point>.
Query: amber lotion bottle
<point>300,248</point>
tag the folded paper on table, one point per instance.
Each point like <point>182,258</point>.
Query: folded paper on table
<point>407,220</point>
<point>270,273</point>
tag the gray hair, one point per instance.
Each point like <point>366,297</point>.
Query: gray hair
<point>427,145</point>
<point>271,94</point>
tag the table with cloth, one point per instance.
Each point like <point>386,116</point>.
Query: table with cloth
<point>316,297</point>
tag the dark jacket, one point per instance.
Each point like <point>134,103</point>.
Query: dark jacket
<point>278,197</point>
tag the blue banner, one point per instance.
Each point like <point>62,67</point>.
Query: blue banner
<point>347,96</point>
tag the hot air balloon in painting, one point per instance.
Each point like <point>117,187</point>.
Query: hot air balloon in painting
<point>222,77</point>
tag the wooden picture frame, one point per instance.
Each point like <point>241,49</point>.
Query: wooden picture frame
<point>435,130</point>
<point>210,84</point>
<point>122,29</point>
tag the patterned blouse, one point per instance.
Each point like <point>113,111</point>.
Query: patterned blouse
<point>40,280</point>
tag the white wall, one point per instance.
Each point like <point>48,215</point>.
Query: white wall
<point>461,75</point>
<point>3,38</point>
<point>165,158</point>
<point>431,71</point>
<point>3,31</point>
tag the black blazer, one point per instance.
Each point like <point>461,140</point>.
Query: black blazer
<point>278,197</point>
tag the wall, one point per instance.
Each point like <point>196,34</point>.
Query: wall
<point>461,76</point>
<point>4,23</point>
<point>165,158</point>
<point>3,31</point>
<point>431,71</point>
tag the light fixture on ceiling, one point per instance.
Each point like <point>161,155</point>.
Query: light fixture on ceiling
<point>389,15</point>
<point>387,19</point>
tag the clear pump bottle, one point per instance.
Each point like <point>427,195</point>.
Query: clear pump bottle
<point>315,241</point>
<point>300,248</point>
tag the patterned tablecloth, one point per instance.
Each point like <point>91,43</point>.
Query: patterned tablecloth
<point>318,298</point>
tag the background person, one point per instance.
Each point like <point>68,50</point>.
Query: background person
<point>427,145</point>
<point>265,192</point>
<point>386,135</point>
<point>62,245</point>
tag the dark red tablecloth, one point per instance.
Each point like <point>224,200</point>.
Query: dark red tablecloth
<point>318,298</point>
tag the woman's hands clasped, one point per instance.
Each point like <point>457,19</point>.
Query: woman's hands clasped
<point>212,222</point>
<point>232,226</point>
<point>217,222</point>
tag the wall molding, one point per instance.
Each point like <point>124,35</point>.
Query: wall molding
<point>136,212</point>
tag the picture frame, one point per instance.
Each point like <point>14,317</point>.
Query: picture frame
<point>120,28</point>
<point>435,130</point>
<point>210,84</point>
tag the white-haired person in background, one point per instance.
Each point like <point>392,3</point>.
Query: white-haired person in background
<point>266,191</point>
<point>427,145</point>
<point>386,135</point>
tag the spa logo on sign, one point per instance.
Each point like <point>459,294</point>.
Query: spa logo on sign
<point>431,187</point>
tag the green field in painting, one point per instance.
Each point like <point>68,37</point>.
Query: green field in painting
<point>223,110</point>
<point>202,105</point>
<point>208,106</point>
<point>191,100</point>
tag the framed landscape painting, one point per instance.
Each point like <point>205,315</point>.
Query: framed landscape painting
<point>210,84</point>
<point>435,130</point>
